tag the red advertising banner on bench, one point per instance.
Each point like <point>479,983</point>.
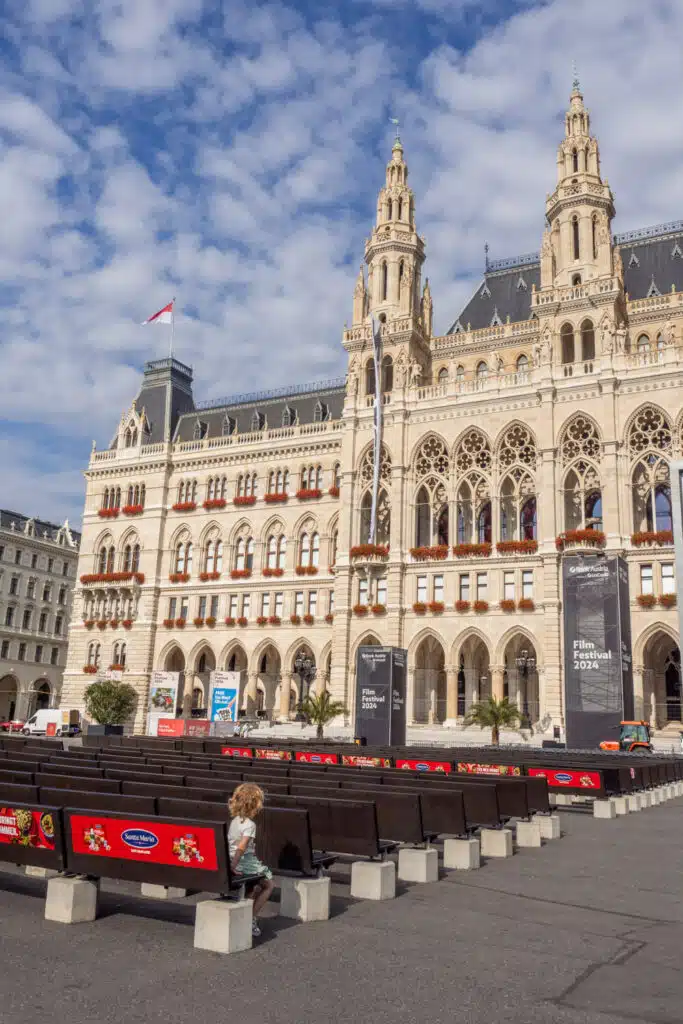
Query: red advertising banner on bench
<point>566,778</point>
<point>147,840</point>
<point>309,757</point>
<point>472,768</point>
<point>425,766</point>
<point>270,754</point>
<point>237,752</point>
<point>363,761</point>
<point>24,826</point>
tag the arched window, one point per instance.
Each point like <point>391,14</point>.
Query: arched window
<point>460,375</point>
<point>384,279</point>
<point>315,549</point>
<point>285,482</point>
<point>431,504</point>
<point>188,557</point>
<point>443,375</point>
<point>334,542</point>
<point>180,557</point>
<point>567,339</point>
<point>401,278</point>
<point>400,209</point>
<point>210,556</point>
<point>587,341</point>
<point>484,532</point>
<point>473,463</point>
<point>288,417</point>
<point>650,440</point>
<point>387,373</point>
<point>102,560</point>
<point>111,555</point>
<point>305,550</point>
<point>271,482</point>
<point>127,558</point>
<point>370,377</point>
<point>522,365</point>
<point>319,412</point>
<point>643,343</point>
<point>219,556</point>
<point>319,477</point>
<point>594,228</point>
<point>240,552</point>
<point>240,486</point>
<point>211,489</point>
<point>383,517</point>
<point>192,490</point>
<point>105,498</point>
<point>271,557</point>
<point>135,562</point>
<point>304,479</point>
<point>224,487</point>
<point>575,161</point>
<point>575,237</point>
<point>482,370</point>
<point>576,280</point>
<point>181,492</point>
<point>250,554</point>
<point>336,475</point>
<point>281,552</point>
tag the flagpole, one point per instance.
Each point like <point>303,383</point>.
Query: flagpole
<point>376,353</point>
<point>170,353</point>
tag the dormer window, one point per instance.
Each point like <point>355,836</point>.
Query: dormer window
<point>228,427</point>
<point>320,412</point>
<point>288,416</point>
<point>258,420</point>
<point>200,431</point>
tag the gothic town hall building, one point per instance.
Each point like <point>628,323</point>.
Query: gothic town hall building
<point>234,535</point>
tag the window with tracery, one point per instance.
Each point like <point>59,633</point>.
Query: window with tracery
<point>431,502</point>
<point>580,454</point>
<point>365,475</point>
<point>518,507</point>
<point>650,442</point>
<point>473,464</point>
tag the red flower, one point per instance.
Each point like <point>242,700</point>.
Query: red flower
<point>436,553</point>
<point>127,623</point>
<point>273,572</point>
<point>199,621</point>
<point>204,576</point>
<point>229,621</point>
<point>108,513</point>
<point>472,550</point>
<point>168,623</point>
<point>112,577</point>
<point>646,600</point>
<point>261,620</point>
<point>329,617</point>
<point>215,503</point>
<point>594,537</point>
<point>240,574</point>
<point>420,608</point>
<point>179,577</point>
<point>90,670</point>
<point>306,570</point>
<point>102,624</point>
<point>210,621</point>
<point>275,498</point>
<point>184,506</point>
<point>88,623</point>
<point>652,537</point>
<point>360,609</point>
<point>309,619</point>
<point>117,668</point>
<point>245,499</point>
<point>366,550</point>
<point>436,607</point>
<point>295,620</point>
<point>114,623</point>
<point>132,510</point>
<point>274,620</point>
<point>242,621</point>
<point>516,547</point>
<point>180,623</point>
<point>481,606</point>
<point>507,605</point>
<point>526,604</point>
<point>667,600</point>
<point>379,609</point>
<point>463,606</point>
<point>333,492</point>
<point>306,493</point>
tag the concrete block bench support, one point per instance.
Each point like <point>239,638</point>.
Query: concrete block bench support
<point>223,926</point>
<point>604,808</point>
<point>418,865</point>
<point>71,900</point>
<point>496,842</point>
<point>549,825</point>
<point>461,854</point>
<point>632,802</point>
<point>305,899</point>
<point>621,805</point>
<point>528,834</point>
<point>162,892</point>
<point>373,880</point>
<point>563,799</point>
<point>34,872</point>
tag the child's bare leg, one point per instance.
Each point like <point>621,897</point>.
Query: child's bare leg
<point>262,895</point>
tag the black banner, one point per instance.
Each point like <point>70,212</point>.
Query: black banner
<point>598,680</point>
<point>380,695</point>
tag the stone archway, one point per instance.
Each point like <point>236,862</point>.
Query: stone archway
<point>520,678</point>
<point>204,665</point>
<point>429,685</point>
<point>268,680</point>
<point>39,697</point>
<point>9,696</point>
<point>473,673</point>
<point>663,700</point>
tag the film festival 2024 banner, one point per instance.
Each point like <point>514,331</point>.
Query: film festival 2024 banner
<point>225,688</point>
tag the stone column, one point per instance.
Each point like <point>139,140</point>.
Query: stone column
<point>285,691</point>
<point>410,695</point>
<point>639,708</point>
<point>250,693</point>
<point>431,717</point>
<point>497,682</point>
<point>451,696</point>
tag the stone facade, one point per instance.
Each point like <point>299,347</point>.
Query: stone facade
<point>543,422</point>
<point>38,563</point>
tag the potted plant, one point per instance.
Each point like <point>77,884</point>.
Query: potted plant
<point>319,709</point>
<point>494,715</point>
<point>109,704</point>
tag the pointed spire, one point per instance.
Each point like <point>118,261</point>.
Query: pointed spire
<point>576,85</point>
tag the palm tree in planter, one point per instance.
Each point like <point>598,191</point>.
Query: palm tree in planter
<point>321,709</point>
<point>494,715</point>
<point>110,704</point>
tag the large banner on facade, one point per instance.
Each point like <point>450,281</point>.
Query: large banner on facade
<point>225,691</point>
<point>598,677</point>
<point>163,698</point>
<point>381,695</point>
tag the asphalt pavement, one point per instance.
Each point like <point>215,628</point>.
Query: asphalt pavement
<point>586,930</point>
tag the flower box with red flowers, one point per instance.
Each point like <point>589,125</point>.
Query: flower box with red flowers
<point>204,576</point>
<point>117,667</point>
<point>420,608</point>
<point>295,620</point>
<point>309,619</point>
<point>462,606</point>
<point>169,623</point>
<point>481,606</point>
<point>273,572</point>
<point>276,498</point>
<point>646,600</point>
<point>436,607</point>
<point>127,623</point>
<point>306,570</point>
<point>594,538</point>
<point>517,547</point>
<point>90,670</point>
<point>333,492</point>
<point>472,550</point>
<point>378,609</point>
<point>113,577</point>
<point>179,577</point>
<point>229,621</point>
<point>360,609</point>
<point>108,513</point>
<point>507,605</point>
<point>114,623</point>
<point>240,574</point>
<point>184,506</point>
<point>212,503</point>
<point>244,499</point>
<point>369,550</point>
<point>180,623</point>
<point>88,623</point>
<point>667,600</point>
<point>308,493</point>
<point>274,620</point>
<point>101,623</point>
<point>526,604</point>
<point>210,621</point>
<point>199,621</point>
<point>243,621</point>
<point>329,617</point>
<point>261,620</point>
<point>430,554</point>
<point>652,537</point>
<point>132,510</point>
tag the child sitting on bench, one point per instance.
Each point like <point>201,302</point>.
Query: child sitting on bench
<point>244,804</point>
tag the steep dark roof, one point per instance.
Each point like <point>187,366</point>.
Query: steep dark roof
<point>653,262</point>
<point>271,405</point>
<point>42,527</point>
<point>165,394</point>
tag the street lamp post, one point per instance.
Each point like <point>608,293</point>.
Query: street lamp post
<point>305,669</point>
<point>526,663</point>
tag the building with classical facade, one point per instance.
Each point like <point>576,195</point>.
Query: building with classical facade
<point>233,534</point>
<point>38,563</point>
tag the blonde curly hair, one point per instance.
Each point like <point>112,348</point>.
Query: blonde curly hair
<point>246,801</point>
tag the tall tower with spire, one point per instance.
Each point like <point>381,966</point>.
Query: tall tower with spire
<point>577,243</point>
<point>394,253</point>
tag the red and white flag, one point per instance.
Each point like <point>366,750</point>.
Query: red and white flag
<point>164,316</point>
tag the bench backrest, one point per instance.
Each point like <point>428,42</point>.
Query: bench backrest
<point>98,801</point>
<point>77,782</point>
<point>339,826</point>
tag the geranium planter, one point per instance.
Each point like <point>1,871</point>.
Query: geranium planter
<point>481,606</point>
<point>240,574</point>
<point>308,493</point>
<point>472,550</point>
<point>244,499</point>
<point>462,606</point>
<point>430,554</point>
<point>184,506</point>
<point>517,547</point>
<point>646,600</point>
<point>132,510</point>
<point>275,499</point>
<point>213,503</point>
<point>507,605</point>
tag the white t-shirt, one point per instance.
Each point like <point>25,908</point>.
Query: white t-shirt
<point>239,828</point>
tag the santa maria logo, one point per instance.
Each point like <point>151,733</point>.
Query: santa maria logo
<point>420,767</point>
<point>563,776</point>
<point>139,839</point>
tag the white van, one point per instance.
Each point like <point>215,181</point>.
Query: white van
<point>62,721</point>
